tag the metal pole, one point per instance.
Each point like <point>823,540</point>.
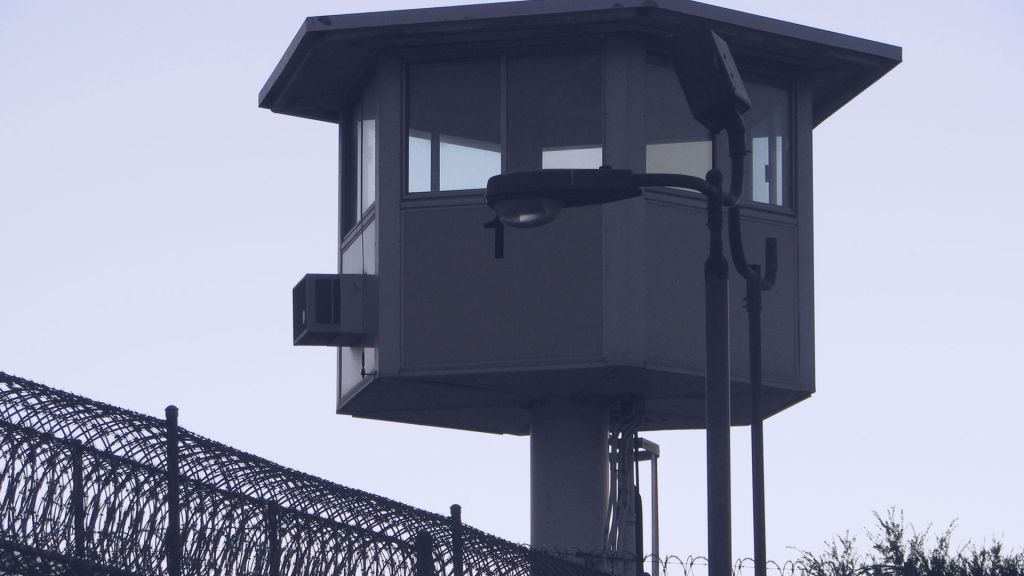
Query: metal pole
<point>655,545</point>
<point>173,544</point>
<point>273,540</point>
<point>78,507</point>
<point>756,420</point>
<point>756,283</point>
<point>424,554</point>
<point>456,514</point>
<point>638,534</point>
<point>718,412</point>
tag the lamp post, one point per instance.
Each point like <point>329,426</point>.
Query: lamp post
<point>756,282</point>
<point>533,198</point>
<point>717,99</point>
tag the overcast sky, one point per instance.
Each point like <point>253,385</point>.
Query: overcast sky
<point>153,221</point>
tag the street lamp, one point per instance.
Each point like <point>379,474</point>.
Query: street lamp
<point>532,198</point>
<point>718,98</point>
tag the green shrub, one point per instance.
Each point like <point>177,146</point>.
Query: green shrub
<point>897,549</point>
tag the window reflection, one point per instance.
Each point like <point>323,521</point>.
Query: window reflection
<point>554,118</point>
<point>419,161</point>
<point>467,163</point>
<point>766,169</point>
<point>693,158</point>
<point>677,144</point>
<point>553,115</point>
<point>454,136</point>
<point>768,127</point>
<point>359,134</point>
<point>556,111</point>
<point>572,157</point>
<point>367,160</point>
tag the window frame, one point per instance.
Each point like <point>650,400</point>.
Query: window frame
<point>770,74</point>
<point>435,174</point>
<point>502,54</point>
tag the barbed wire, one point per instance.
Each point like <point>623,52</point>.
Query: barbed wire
<point>671,565</point>
<point>87,483</point>
<point>84,487</point>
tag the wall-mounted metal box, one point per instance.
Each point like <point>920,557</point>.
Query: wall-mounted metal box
<point>331,310</point>
<point>608,300</point>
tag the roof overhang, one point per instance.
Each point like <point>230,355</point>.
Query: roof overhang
<point>329,57</point>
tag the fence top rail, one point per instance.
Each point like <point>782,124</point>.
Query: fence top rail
<point>140,438</point>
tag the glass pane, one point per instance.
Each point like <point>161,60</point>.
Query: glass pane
<point>348,164</point>
<point>419,161</point>
<point>780,163</point>
<point>693,158</point>
<point>768,128</point>
<point>555,111</point>
<point>357,127</point>
<point>364,140</point>
<point>572,157</point>
<point>678,144</point>
<point>675,142</point>
<point>368,163</point>
<point>466,163</point>
<point>760,181</point>
<point>454,124</point>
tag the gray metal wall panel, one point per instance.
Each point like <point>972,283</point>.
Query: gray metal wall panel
<point>780,316</point>
<point>462,307</point>
<point>676,245</point>
<point>351,359</point>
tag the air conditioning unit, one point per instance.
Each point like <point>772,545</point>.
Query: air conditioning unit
<point>332,310</point>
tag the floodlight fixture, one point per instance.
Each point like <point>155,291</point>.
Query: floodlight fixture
<point>531,198</point>
<point>710,81</point>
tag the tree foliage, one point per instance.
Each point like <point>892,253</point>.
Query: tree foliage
<point>897,549</point>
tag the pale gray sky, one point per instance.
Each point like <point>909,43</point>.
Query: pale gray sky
<point>153,221</point>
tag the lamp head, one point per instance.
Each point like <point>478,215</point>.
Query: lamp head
<point>710,80</point>
<point>528,212</point>
<point>535,197</point>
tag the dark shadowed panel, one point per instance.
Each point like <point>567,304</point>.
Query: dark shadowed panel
<point>461,307</point>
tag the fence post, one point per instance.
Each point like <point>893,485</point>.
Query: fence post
<point>456,513</point>
<point>424,554</point>
<point>273,540</point>
<point>173,542</point>
<point>77,506</point>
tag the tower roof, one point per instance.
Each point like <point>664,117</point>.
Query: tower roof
<point>318,74</point>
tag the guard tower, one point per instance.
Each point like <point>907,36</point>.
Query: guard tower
<point>600,309</point>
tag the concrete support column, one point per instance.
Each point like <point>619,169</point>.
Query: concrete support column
<point>568,475</point>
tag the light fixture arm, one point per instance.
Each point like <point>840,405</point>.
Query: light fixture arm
<point>675,181</point>
<point>751,273</point>
<point>737,138</point>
